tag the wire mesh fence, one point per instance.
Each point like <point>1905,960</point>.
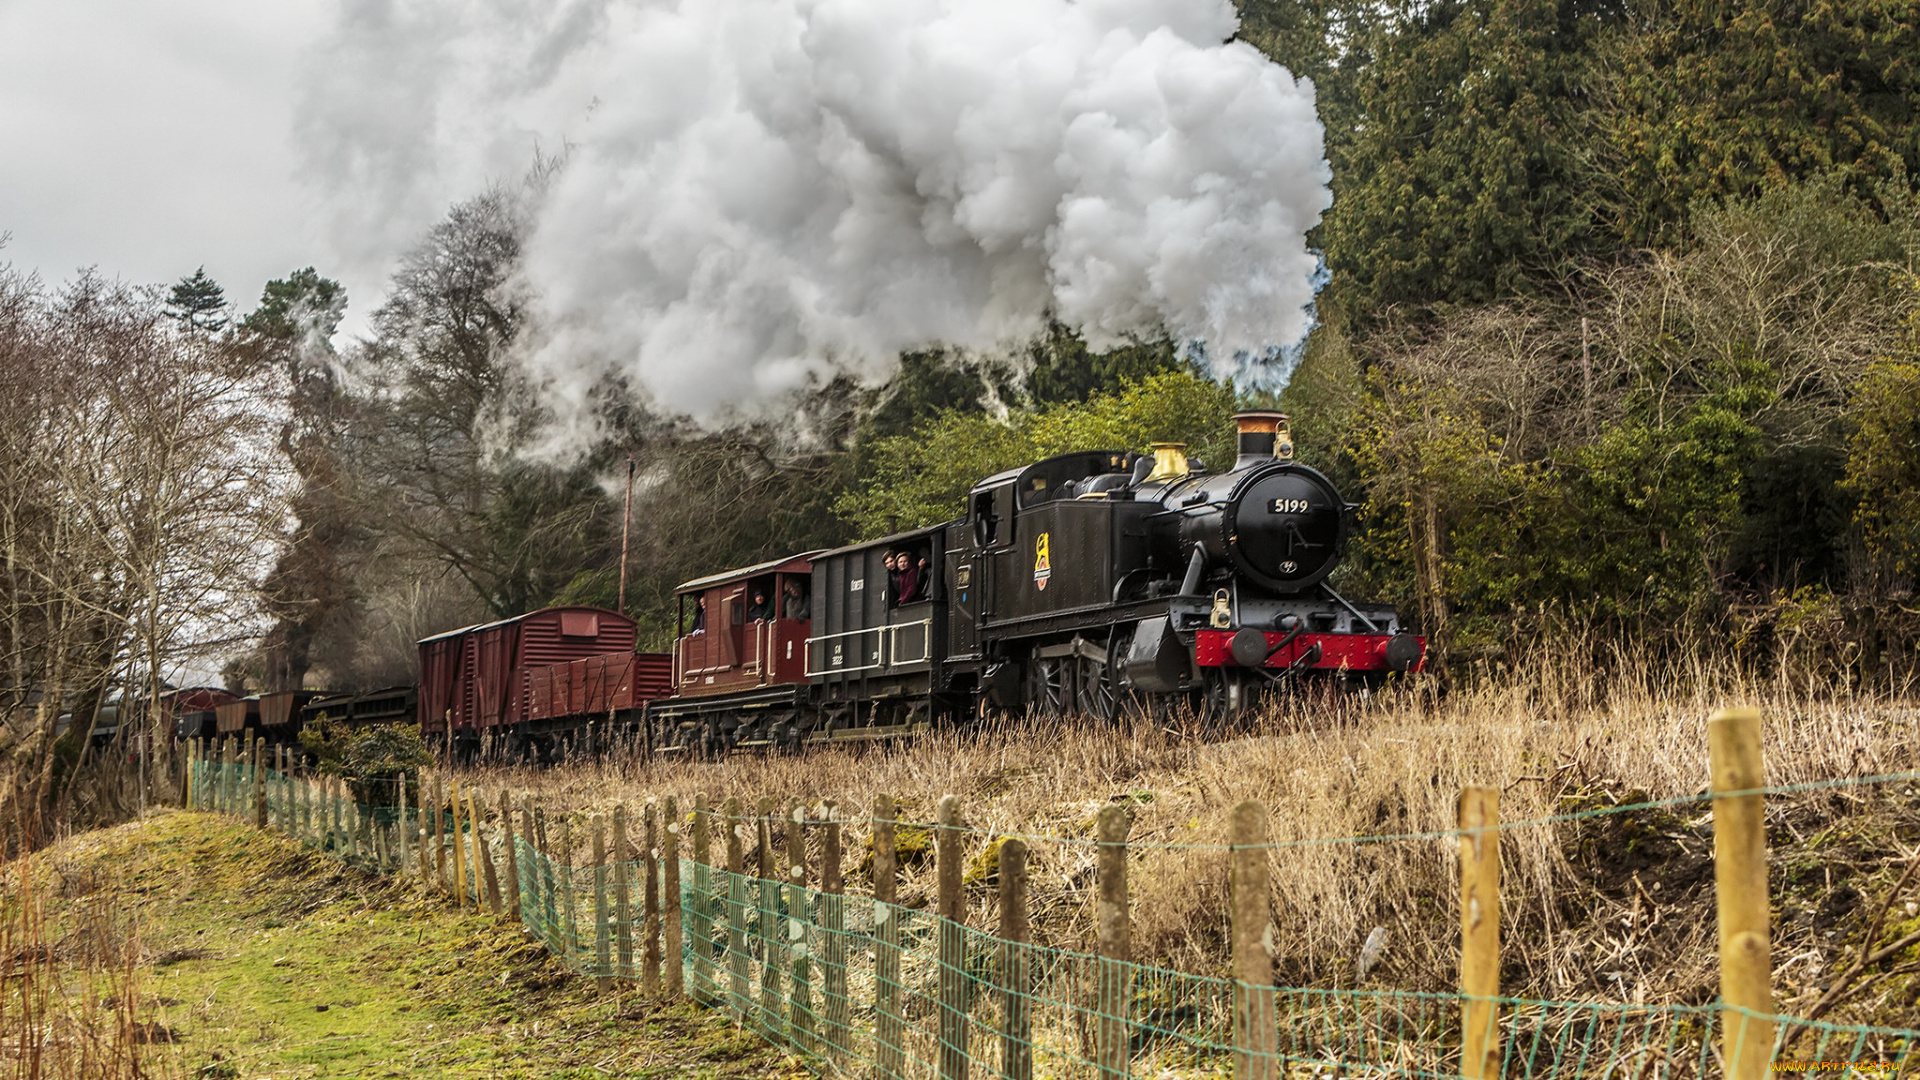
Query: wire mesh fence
<point>857,986</point>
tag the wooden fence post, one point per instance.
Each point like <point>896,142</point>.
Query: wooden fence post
<point>650,897</point>
<point>546,883</point>
<point>276,759</point>
<point>1740,893</point>
<point>569,906</point>
<point>400,826</point>
<point>1115,925</point>
<point>888,1028</point>
<point>310,829</point>
<point>602,940</point>
<point>736,911</point>
<point>1256,1036</point>
<point>284,785</point>
<point>1016,942</point>
<point>223,790</point>
<point>833,926</point>
<point>483,854</point>
<point>766,926</point>
<point>702,915</point>
<point>439,845</point>
<point>799,943</point>
<point>356,821</point>
<point>510,855</point>
<point>259,784</point>
<point>1479,933</point>
<point>622,894</point>
<point>459,847</point>
<point>337,836</point>
<point>670,898</point>
<point>953,941</point>
<point>423,857</point>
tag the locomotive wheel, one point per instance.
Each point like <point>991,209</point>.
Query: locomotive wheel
<point>1050,690</point>
<point>1093,692</point>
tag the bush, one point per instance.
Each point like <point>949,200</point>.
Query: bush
<point>374,761</point>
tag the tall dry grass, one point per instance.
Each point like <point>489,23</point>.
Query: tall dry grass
<point>1553,737</point>
<point>70,990</point>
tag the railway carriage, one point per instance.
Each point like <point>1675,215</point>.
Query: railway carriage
<point>738,679</point>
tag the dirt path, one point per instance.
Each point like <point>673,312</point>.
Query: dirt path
<point>251,957</point>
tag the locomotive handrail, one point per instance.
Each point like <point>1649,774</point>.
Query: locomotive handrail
<point>892,652</point>
<point>879,662</point>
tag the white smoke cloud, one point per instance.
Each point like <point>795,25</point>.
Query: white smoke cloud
<point>759,193</point>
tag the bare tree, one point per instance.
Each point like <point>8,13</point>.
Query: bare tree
<point>141,499</point>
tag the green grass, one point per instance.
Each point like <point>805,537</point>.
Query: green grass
<point>265,960</point>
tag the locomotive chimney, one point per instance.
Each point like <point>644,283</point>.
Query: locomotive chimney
<point>1264,436</point>
<point>1169,462</point>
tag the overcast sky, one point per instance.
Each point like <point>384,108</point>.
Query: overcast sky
<point>149,138</point>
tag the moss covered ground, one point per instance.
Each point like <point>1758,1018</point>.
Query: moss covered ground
<point>252,957</point>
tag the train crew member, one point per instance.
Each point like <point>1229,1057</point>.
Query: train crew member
<point>796,605</point>
<point>761,610</point>
<point>699,617</point>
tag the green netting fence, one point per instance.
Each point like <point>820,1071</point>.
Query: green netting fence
<point>859,987</point>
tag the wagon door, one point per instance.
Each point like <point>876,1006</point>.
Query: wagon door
<point>732,633</point>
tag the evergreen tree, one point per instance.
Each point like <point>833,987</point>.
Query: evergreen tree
<point>310,592</point>
<point>1467,176</point>
<point>1712,101</point>
<point>199,302</point>
<point>303,302</point>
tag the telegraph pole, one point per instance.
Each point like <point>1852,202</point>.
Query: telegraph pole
<point>626,528</point>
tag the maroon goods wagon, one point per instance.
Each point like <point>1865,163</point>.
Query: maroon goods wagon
<point>598,686</point>
<point>477,681</point>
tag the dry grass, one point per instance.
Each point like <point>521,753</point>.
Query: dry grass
<point>1615,908</point>
<point>68,999</point>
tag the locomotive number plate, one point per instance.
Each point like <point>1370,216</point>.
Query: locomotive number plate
<point>1289,506</point>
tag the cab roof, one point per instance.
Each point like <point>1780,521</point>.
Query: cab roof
<point>894,538</point>
<point>792,564</point>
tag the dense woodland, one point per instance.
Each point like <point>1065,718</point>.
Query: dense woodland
<point>1621,343</point>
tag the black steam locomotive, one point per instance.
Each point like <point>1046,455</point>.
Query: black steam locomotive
<point>1086,583</point>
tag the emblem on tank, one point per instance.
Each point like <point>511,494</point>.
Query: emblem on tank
<point>1042,564</point>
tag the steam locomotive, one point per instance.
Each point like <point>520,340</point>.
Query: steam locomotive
<point>1088,583</point>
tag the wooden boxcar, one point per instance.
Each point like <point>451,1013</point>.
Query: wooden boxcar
<point>280,713</point>
<point>474,681</point>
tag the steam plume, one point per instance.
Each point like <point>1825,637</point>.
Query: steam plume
<point>758,193</point>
